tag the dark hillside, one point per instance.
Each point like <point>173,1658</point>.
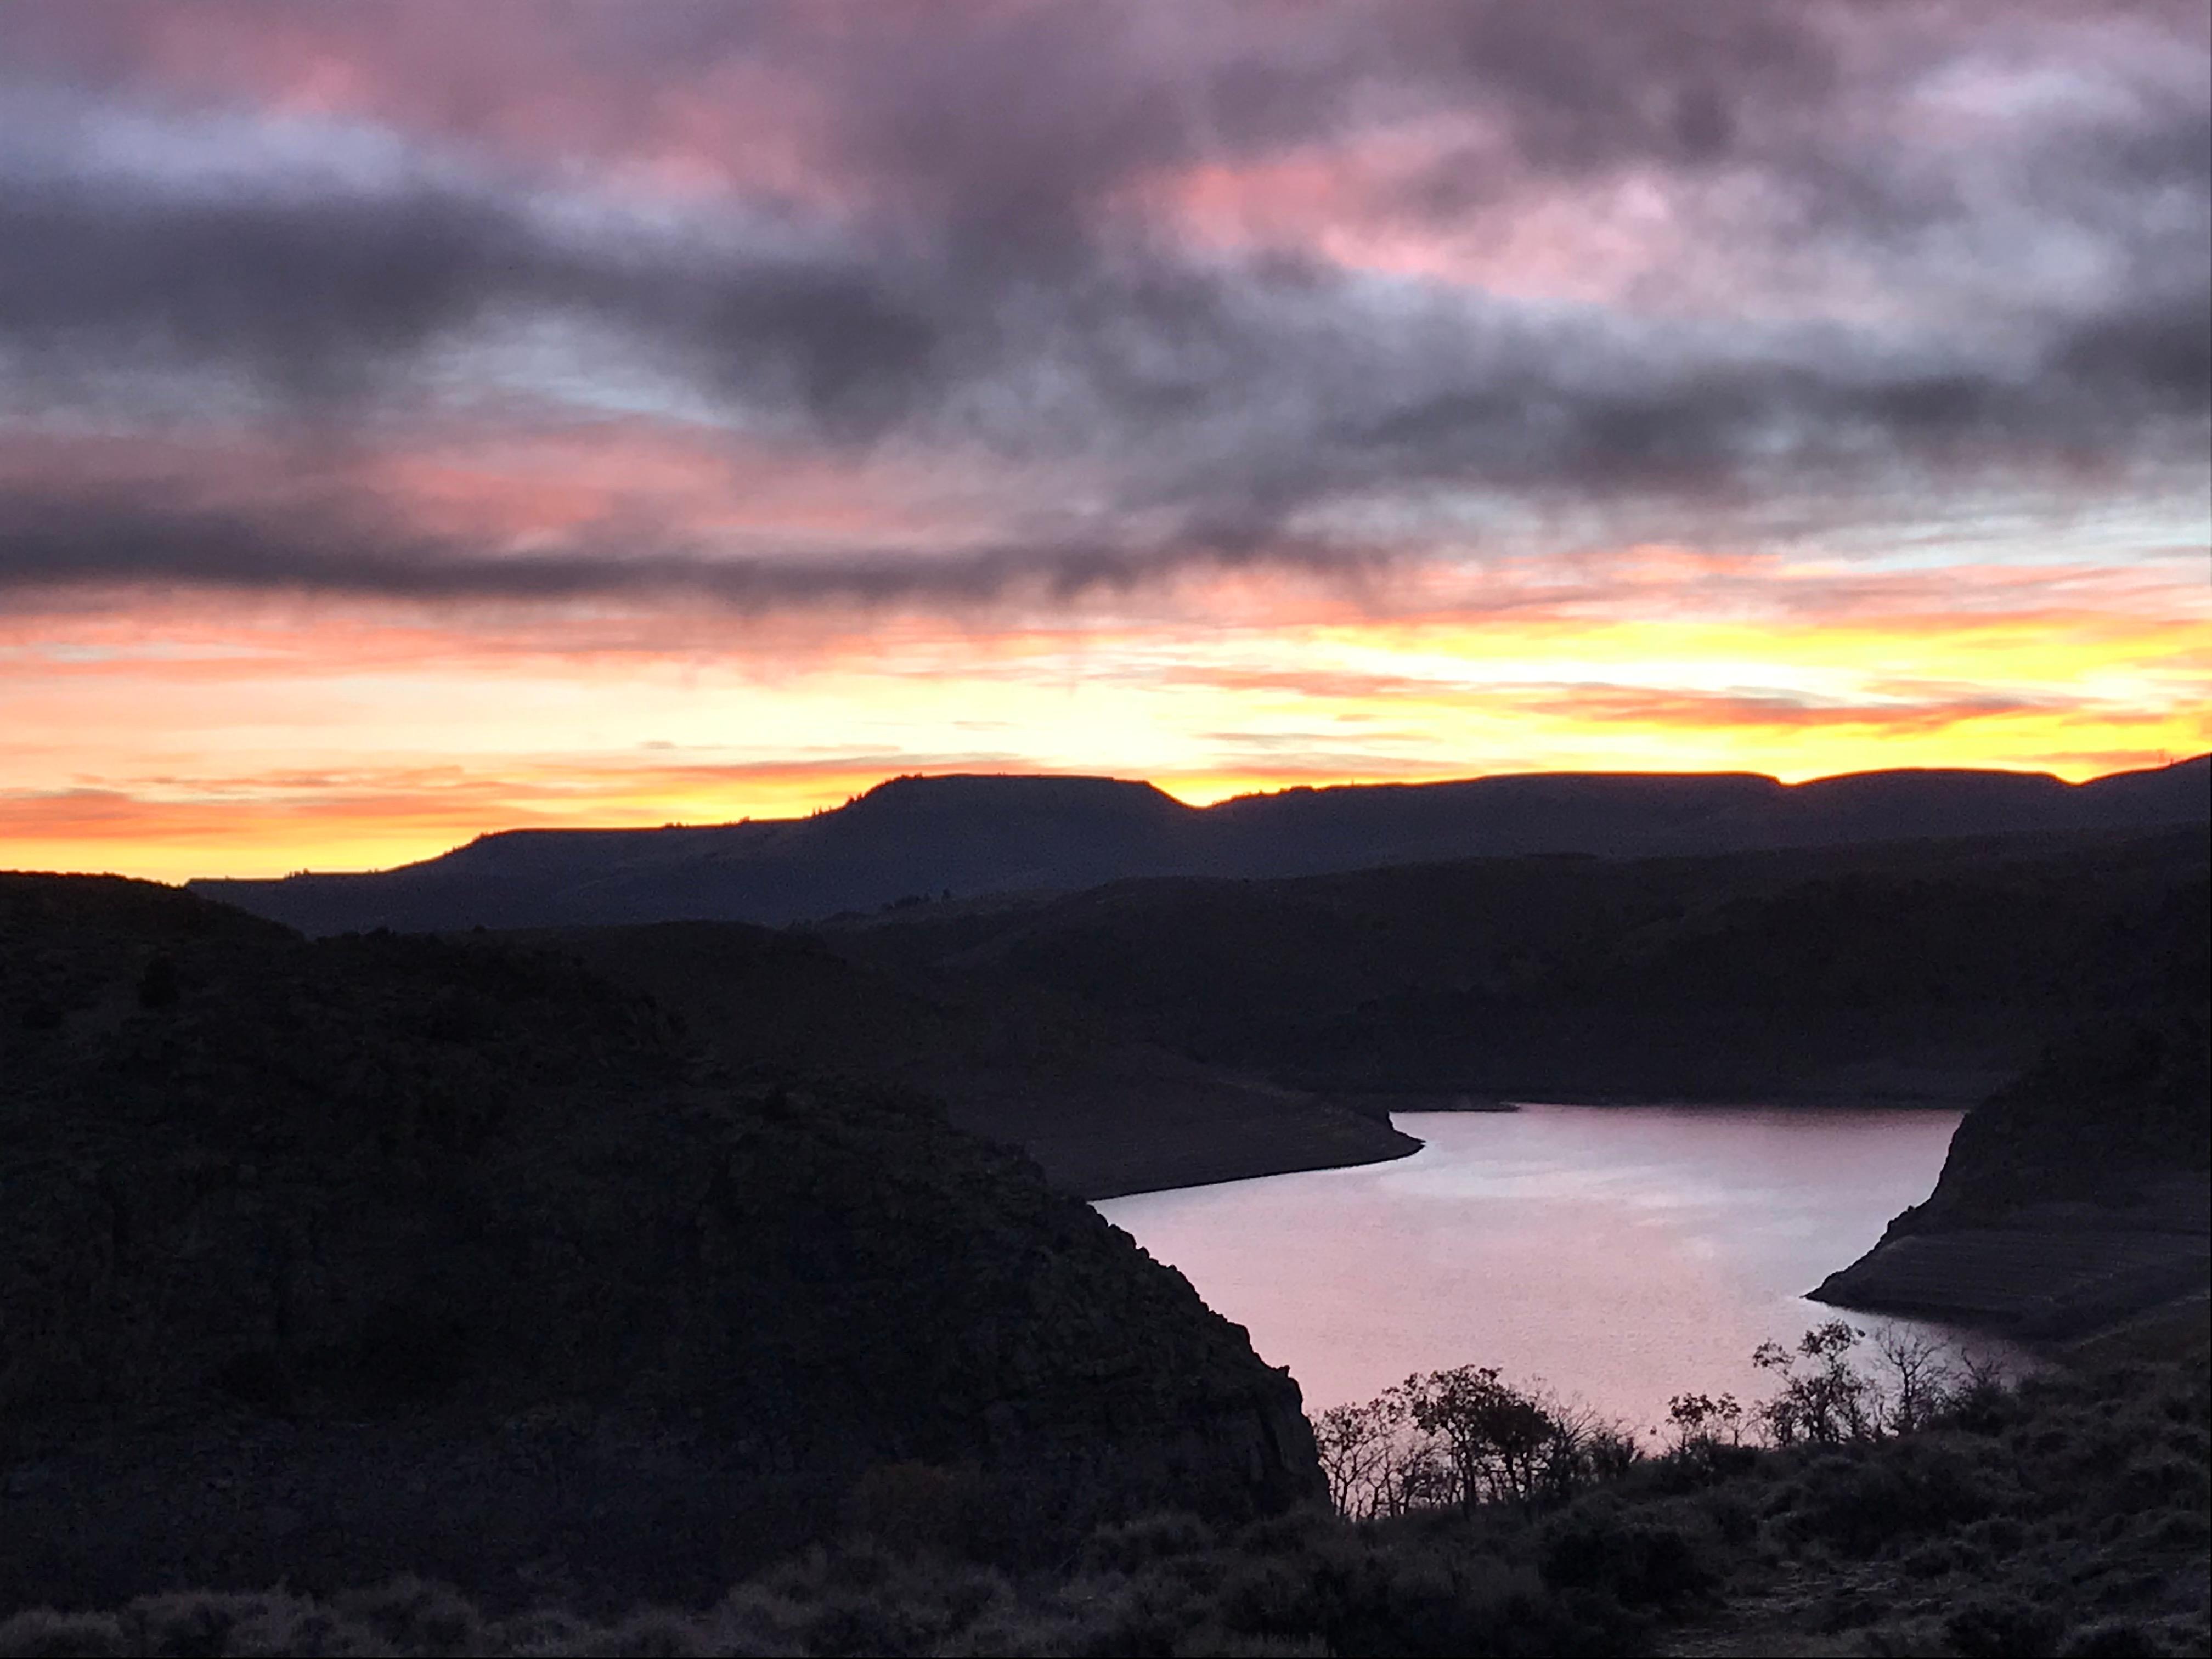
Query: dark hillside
<point>462,1262</point>
<point>1930,970</point>
<point>2068,1516</point>
<point>2078,1194</point>
<point>1103,1115</point>
<point>915,838</point>
<point>2126,1089</point>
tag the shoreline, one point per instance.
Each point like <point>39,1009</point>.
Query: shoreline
<point>1416,1144</point>
<point>1823,1101</point>
<point>2052,1273</point>
<point>1096,1173</point>
<point>1096,1165</point>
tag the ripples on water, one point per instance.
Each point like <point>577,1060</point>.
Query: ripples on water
<point>1622,1254</point>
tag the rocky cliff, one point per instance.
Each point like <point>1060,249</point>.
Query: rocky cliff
<point>2078,1195</point>
<point>383,1254</point>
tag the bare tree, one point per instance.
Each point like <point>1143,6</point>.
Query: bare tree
<point>1927,1379</point>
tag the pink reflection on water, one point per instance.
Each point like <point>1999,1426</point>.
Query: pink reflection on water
<point>1622,1254</point>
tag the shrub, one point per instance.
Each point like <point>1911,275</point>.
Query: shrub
<point>651,1635</point>
<point>1995,1539</point>
<point>1422,1603</point>
<point>190,1622</point>
<point>1147,1615</point>
<point>2112,1638</point>
<point>42,1633</point>
<point>1137,1544</point>
<point>1639,1561</point>
<point>1733,1517</point>
<point>1881,1497</point>
<point>848,1621</point>
<point>411,1612</point>
<point>916,1509</point>
<point>549,1632</point>
<point>1270,1594</point>
<point>2152,1478</point>
<point>2003,1627</point>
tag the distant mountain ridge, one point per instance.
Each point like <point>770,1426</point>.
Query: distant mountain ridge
<point>973,835</point>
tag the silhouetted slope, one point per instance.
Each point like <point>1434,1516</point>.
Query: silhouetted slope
<point>2121,1090</point>
<point>1923,971</point>
<point>1101,1115</point>
<point>472,1264</point>
<point>2078,1193</point>
<point>973,835</point>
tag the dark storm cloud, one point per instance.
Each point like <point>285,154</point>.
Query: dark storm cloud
<point>312,293</point>
<point>971,260</point>
<point>50,539</point>
<point>1014,119</point>
<point>335,296</point>
<point>2078,388</point>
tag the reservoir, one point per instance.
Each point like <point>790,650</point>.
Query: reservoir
<point>1619,1254</point>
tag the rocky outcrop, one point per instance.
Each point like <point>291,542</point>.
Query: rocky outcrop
<point>2043,1271</point>
<point>389,1253</point>
<point>2079,1196</point>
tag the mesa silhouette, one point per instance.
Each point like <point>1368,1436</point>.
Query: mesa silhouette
<point>917,837</point>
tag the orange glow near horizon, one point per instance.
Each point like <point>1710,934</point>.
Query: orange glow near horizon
<point>196,737</point>
<point>423,421</point>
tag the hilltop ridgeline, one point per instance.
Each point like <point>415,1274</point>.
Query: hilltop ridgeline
<point>970,835</point>
<point>463,1263</point>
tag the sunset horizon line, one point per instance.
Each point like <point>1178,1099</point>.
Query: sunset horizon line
<point>1197,798</point>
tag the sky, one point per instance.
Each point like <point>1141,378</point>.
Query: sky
<point>418,420</point>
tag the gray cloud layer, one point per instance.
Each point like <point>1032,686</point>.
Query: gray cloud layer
<point>49,539</point>
<point>1904,238</point>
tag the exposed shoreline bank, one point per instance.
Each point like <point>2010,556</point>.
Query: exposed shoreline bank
<point>1334,1132</point>
<point>2047,1272</point>
<point>1097,1160</point>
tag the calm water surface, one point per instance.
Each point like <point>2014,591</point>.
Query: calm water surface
<point>1622,1254</point>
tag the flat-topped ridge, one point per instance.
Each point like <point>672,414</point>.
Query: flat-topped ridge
<point>970,834</point>
<point>1021,791</point>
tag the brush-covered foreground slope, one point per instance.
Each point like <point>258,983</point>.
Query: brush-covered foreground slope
<point>2068,1518</point>
<point>2078,1195</point>
<point>1102,1115</point>
<point>966,835</point>
<point>1930,971</point>
<point>384,1254</point>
